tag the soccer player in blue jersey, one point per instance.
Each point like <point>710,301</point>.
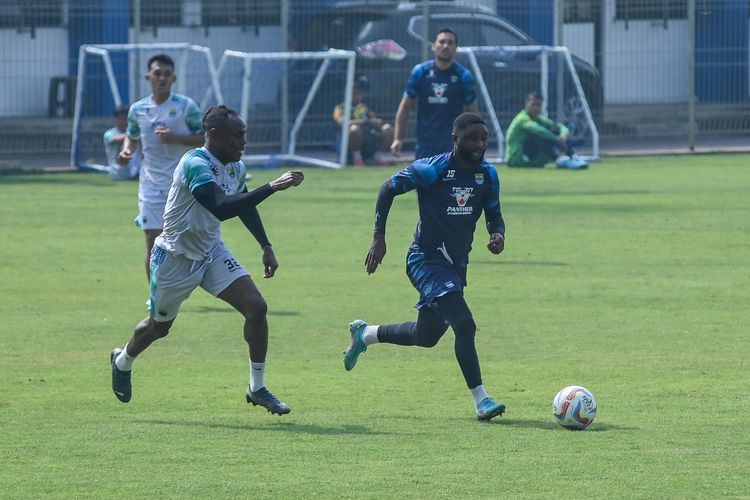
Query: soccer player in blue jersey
<point>453,189</point>
<point>208,187</point>
<point>443,89</point>
<point>165,125</point>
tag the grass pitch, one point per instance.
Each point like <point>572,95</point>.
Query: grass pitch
<point>630,279</point>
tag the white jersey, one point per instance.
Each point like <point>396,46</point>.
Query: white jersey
<point>190,229</point>
<point>178,113</point>
<point>112,149</point>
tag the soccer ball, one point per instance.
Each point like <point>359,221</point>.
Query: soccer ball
<point>574,407</point>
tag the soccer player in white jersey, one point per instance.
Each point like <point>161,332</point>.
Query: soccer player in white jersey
<point>166,125</point>
<point>208,187</point>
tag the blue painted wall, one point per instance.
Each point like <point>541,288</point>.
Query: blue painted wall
<point>535,17</point>
<point>105,21</point>
<point>721,51</point>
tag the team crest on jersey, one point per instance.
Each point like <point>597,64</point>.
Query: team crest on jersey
<point>438,97</point>
<point>462,195</point>
<point>479,178</point>
<point>230,171</point>
<point>173,112</point>
<point>454,78</point>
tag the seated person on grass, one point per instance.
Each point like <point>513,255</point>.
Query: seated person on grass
<point>114,139</point>
<point>534,140</point>
<point>367,133</point>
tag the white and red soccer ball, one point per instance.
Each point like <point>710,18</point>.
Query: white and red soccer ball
<point>574,407</point>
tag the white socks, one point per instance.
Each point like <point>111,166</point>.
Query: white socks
<point>479,393</point>
<point>124,362</point>
<point>257,376</point>
<point>370,335</point>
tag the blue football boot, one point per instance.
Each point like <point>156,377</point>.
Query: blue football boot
<point>489,409</point>
<point>356,346</point>
<point>120,379</point>
<point>263,397</point>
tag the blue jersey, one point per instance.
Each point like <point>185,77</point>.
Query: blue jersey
<point>451,199</point>
<point>441,96</point>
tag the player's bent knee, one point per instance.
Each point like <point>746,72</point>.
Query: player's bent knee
<point>159,329</point>
<point>255,308</point>
<point>428,341</point>
<point>465,327</point>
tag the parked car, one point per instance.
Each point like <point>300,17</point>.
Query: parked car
<point>387,37</point>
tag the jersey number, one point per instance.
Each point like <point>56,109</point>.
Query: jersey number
<point>232,264</point>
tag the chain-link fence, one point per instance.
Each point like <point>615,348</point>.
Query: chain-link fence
<point>648,67</point>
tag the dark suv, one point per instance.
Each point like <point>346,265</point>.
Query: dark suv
<point>387,37</point>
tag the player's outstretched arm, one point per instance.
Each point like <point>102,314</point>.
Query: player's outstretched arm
<point>224,206</point>
<point>289,179</point>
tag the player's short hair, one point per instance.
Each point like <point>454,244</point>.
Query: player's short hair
<point>160,58</point>
<point>466,120</point>
<point>216,116</point>
<point>533,96</point>
<point>445,30</point>
<point>120,110</point>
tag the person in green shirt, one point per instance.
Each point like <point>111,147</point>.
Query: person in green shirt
<point>533,140</point>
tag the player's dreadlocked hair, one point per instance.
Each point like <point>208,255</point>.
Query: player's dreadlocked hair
<point>465,120</point>
<point>216,115</point>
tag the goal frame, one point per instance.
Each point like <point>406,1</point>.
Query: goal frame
<point>291,154</point>
<point>545,51</point>
<point>103,51</point>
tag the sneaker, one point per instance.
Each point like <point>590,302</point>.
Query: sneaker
<point>560,161</point>
<point>489,409</point>
<point>120,379</point>
<point>264,398</point>
<point>356,346</point>
<point>574,163</point>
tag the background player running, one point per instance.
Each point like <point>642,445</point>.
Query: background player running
<point>166,125</point>
<point>452,190</point>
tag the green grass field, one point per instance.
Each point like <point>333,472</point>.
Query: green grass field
<point>630,279</point>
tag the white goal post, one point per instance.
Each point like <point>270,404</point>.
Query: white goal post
<point>287,145</point>
<point>103,52</point>
<point>543,53</point>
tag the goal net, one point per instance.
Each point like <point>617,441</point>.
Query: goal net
<point>287,101</point>
<point>111,75</point>
<point>505,75</point>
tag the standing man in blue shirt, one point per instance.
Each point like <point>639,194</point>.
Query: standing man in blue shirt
<point>453,189</point>
<point>444,89</point>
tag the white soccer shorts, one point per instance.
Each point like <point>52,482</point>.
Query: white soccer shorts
<point>174,277</point>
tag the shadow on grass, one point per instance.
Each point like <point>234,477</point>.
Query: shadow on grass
<point>228,309</point>
<point>518,263</point>
<point>553,426</point>
<point>556,193</point>
<point>277,427</point>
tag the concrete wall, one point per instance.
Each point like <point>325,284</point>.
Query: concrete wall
<point>26,66</point>
<point>646,63</point>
